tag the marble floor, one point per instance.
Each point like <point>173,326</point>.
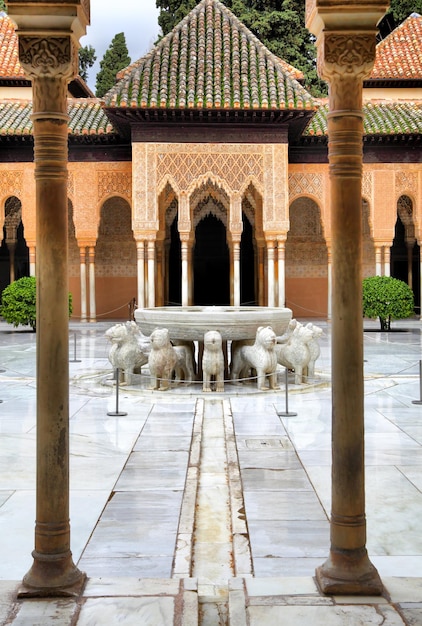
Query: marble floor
<point>212,508</point>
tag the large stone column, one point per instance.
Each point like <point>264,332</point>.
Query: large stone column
<point>48,53</point>
<point>346,50</point>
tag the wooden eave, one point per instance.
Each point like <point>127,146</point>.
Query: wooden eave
<point>294,121</point>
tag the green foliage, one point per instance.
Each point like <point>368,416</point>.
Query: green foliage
<point>115,59</point>
<point>87,58</point>
<point>3,6</point>
<point>278,24</point>
<point>401,9</point>
<point>386,298</point>
<point>18,302</point>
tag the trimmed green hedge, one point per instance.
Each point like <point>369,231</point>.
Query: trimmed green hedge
<point>387,298</point>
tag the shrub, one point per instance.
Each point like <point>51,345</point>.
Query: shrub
<point>18,302</point>
<point>386,298</point>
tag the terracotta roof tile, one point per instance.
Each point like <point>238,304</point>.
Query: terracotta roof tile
<point>380,118</point>
<point>86,117</point>
<point>9,53</point>
<point>209,60</point>
<point>399,55</point>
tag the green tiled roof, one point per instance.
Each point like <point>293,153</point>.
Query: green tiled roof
<point>86,118</point>
<point>380,118</point>
<point>210,60</point>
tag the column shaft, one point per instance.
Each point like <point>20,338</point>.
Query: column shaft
<point>271,282</point>
<point>151,273</point>
<point>82,253</point>
<point>53,571</point>
<point>92,296</point>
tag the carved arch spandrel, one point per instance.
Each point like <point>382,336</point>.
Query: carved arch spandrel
<point>233,164</point>
<point>406,183</point>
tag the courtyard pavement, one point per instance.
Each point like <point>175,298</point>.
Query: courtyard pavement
<point>212,509</point>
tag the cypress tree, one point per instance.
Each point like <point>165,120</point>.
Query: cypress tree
<point>115,59</point>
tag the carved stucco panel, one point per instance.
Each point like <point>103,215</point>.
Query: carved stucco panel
<point>139,177</point>
<point>114,183</point>
<point>306,183</point>
<point>85,200</point>
<point>406,183</point>
<point>368,187</point>
<point>11,183</point>
<point>234,165</point>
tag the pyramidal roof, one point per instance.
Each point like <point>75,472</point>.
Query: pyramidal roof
<point>399,55</point>
<point>9,54</point>
<point>210,60</point>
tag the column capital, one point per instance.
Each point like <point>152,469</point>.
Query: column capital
<point>346,54</point>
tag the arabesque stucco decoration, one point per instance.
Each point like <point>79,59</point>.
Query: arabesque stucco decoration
<point>233,167</point>
<point>306,184</point>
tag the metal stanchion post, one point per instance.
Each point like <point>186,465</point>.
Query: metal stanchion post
<point>420,385</point>
<point>74,360</point>
<point>286,413</point>
<point>117,412</point>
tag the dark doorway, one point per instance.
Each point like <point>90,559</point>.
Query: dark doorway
<point>400,264</point>
<point>21,258</point>
<point>247,265</point>
<point>211,263</point>
<point>175,266</point>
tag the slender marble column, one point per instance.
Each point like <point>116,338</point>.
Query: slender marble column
<point>346,39</point>
<point>11,245</point>
<point>185,274</point>
<point>236,273</point>
<point>378,261</point>
<point>92,294</point>
<point>409,248</point>
<point>82,255</point>
<point>140,250</point>
<point>271,282</point>
<point>387,253</point>
<point>32,258</point>
<point>151,273</point>
<point>50,63</point>
<point>281,258</point>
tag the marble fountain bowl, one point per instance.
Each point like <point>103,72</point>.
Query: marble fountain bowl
<point>191,322</point>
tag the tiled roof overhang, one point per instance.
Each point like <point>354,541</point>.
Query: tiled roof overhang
<point>132,121</point>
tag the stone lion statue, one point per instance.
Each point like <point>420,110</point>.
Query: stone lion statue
<point>162,359</point>
<point>295,354</point>
<point>314,348</point>
<point>213,361</point>
<point>261,356</point>
<point>185,366</point>
<point>129,349</point>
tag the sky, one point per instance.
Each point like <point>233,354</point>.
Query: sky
<point>137,19</point>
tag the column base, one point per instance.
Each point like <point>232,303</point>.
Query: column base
<point>52,576</point>
<point>349,572</point>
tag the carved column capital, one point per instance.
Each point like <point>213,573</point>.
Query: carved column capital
<point>48,57</point>
<point>344,60</point>
<point>50,62</point>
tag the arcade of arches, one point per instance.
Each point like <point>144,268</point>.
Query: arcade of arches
<point>201,225</point>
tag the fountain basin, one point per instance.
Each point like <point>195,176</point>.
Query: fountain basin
<point>191,322</point>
